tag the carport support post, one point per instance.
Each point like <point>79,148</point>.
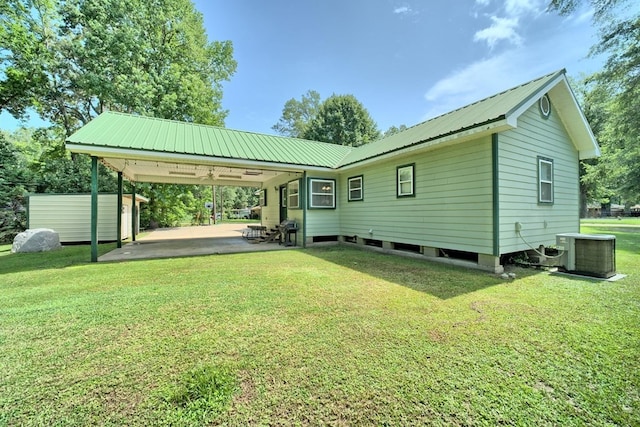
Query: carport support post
<point>94,209</point>
<point>119,230</point>
<point>303,197</point>
<point>133,212</point>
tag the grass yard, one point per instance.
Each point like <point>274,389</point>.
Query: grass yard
<point>326,336</point>
<point>611,222</point>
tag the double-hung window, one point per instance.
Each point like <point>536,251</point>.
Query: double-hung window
<point>293,194</point>
<point>545,180</point>
<point>356,189</point>
<point>405,182</point>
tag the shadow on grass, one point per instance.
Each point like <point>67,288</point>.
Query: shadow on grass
<point>60,258</point>
<point>440,280</point>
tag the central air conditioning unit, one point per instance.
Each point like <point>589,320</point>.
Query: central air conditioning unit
<point>588,254</point>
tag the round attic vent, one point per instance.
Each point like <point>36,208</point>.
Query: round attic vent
<point>545,106</point>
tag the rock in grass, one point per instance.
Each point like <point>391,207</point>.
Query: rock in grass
<point>36,240</point>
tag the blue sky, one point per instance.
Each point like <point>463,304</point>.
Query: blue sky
<point>405,61</point>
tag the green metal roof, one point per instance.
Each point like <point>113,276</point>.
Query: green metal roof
<point>130,132</point>
<point>473,116</point>
<point>116,137</point>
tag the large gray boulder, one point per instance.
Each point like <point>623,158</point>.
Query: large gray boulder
<point>36,240</point>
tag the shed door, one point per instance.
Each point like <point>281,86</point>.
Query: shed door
<point>126,222</point>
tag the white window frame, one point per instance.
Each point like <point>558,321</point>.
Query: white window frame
<point>400,184</point>
<point>327,193</point>
<point>293,194</point>
<point>351,189</point>
<point>545,182</point>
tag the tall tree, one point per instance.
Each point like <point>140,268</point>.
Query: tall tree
<point>342,120</point>
<point>616,90</point>
<point>15,182</point>
<point>73,59</point>
<point>393,130</point>
<point>70,60</point>
<point>296,115</point>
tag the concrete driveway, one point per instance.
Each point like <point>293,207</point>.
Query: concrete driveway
<point>189,241</point>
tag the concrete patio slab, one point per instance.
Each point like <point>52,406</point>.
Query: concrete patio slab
<point>189,241</point>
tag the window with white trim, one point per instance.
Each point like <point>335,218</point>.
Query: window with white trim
<point>356,188</point>
<point>293,194</point>
<point>545,180</point>
<point>322,194</point>
<point>405,180</point>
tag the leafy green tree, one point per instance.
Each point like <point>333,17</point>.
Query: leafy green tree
<point>342,120</point>
<point>615,93</point>
<point>15,183</point>
<point>296,115</point>
<point>393,130</point>
<point>70,60</point>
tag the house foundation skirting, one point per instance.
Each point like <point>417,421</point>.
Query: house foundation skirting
<point>485,262</point>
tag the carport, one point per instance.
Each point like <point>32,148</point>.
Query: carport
<point>144,149</point>
<point>189,241</point>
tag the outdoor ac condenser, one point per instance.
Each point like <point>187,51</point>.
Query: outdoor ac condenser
<point>588,254</point>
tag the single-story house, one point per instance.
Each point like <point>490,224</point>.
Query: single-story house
<point>70,215</point>
<point>488,179</point>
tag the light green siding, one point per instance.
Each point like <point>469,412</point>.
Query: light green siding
<point>70,215</point>
<point>324,222</point>
<point>518,165</point>
<point>270,214</point>
<point>452,207</point>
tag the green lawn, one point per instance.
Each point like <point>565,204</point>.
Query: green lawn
<point>634,221</point>
<point>327,336</point>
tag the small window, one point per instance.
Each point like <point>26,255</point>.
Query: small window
<point>405,181</point>
<point>545,106</point>
<point>322,193</point>
<point>356,189</point>
<point>293,194</point>
<point>545,180</point>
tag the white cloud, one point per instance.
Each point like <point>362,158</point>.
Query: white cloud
<point>505,70</point>
<point>501,29</point>
<point>507,28</point>
<point>470,84</point>
<point>402,10</point>
<point>522,7</point>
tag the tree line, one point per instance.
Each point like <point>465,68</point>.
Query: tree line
<point>69,60</point>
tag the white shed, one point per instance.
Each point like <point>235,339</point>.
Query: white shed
<point>70,215</point>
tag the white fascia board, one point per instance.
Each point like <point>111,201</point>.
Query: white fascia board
<point>583,131</point>
<point>573,118</point>
<point>189,158</point>
<point>512,116</point>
